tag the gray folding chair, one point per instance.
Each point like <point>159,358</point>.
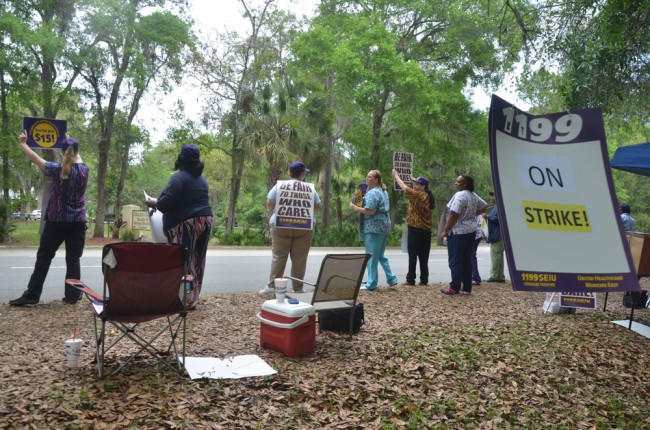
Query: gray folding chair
<point>338,284</point>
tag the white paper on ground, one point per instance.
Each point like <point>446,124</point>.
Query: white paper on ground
<point>156,223</point>
<point>241,366</point>
<point>642,329</point>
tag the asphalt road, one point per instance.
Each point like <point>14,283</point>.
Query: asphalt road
<point>228,270</point>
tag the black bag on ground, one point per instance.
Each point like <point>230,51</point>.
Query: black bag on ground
<point>339,320</point>
<point>636,299</point>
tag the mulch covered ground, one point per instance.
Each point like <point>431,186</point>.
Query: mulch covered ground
<point>492,360</point>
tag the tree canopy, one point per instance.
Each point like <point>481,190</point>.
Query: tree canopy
<point>340,91</point>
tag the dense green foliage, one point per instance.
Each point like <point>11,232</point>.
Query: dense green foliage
<point>341,91</point>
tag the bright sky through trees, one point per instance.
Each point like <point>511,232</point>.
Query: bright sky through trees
<point>218,16</point>
<point>211,16</point>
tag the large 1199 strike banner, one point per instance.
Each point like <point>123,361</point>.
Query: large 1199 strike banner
<point>555,197</point>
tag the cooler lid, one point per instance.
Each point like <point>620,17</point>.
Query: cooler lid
<point>288,309</point>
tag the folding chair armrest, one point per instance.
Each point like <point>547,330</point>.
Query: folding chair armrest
<point>76,283</point>
<point>80,285</point>
<point>299,280</point>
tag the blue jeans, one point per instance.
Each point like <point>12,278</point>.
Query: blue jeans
<point>376,246</point>
<point>459,247</point>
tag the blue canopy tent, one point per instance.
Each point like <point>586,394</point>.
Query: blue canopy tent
<point>633,158</point>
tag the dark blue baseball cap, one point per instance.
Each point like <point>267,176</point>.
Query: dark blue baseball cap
<point>297,167</point>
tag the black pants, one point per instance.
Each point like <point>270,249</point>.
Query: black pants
<point>54,234</point>
<point>419,246</point>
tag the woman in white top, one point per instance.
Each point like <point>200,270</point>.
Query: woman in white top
<point>460,231</point>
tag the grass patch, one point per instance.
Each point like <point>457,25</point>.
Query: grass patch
<point>27,233</point>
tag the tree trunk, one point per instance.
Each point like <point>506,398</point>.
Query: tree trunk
<point>327,183</point>
<point>339,212</point>
<point>107,130</point>
<point>124,165</point>
<point>126,147</point>
<point>4,133</point>
<point>377,121</point>
<point>237,166</point>
<point>104,144</point>
<point>275,173</point>
<point>327,173</point>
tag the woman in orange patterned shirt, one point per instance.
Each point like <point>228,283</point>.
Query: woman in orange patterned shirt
<point>418,220</point>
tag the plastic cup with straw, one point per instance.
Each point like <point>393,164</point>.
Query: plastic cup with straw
<point>73,349</point>
<point>280,288</point>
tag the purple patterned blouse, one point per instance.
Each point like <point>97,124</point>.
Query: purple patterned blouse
<point>67,199</point>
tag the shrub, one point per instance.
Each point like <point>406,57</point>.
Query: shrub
<point>245,237</point>
<point>641,222</point>
<point>128,236</point>
<point>254,215</point>
<point>116,226</point>
<point>348,235</point>
<point>395,235</point>
<point>6,226</point>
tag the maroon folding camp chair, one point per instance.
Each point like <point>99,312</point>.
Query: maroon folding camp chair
<point>143,282</point>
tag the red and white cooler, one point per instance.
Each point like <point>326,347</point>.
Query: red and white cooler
<point>288,327</point>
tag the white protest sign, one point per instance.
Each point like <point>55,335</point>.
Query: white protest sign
<point>557,207</point>
<point>403,164</point>
<point>294,205</point>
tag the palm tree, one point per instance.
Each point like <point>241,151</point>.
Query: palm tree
<point>270,128</point>
<point>341,189</point>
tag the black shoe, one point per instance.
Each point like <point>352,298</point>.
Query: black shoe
<point>22,301</point>
<point>501,281</point>
<point>424,284</point>
<point>70,301</point>
<point>409,282</point>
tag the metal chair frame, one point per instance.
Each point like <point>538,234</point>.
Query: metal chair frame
<point>129,316</point>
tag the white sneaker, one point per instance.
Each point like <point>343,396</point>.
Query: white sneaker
<point>267,290</point>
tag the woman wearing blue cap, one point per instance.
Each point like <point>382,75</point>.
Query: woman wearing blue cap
<point>187,215</point>
<point>65,219</point>
<point>419,224</point>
